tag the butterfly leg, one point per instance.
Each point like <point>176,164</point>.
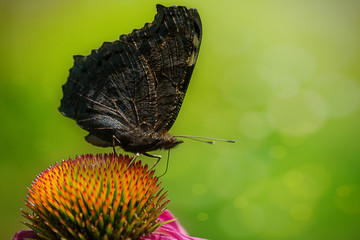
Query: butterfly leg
<point>133,160</point>
<point>153,156</point>
<point>114,143</point>
<point>167,164</point>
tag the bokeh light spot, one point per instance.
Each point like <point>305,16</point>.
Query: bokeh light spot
<point>348,199</point>
<point>278,152</point>
<point>247,88</point>
<point>301,212</point>
<point>241,223</point>
<point>232,42</point>
<point>199,189</point>
<point>285,67</point>
<point>343,191</point>
<point>341,94</point>
<point>291,140</point>
<point>280,224</point>
<point>307,182</point>
<point>203,216</point>
<point>228,169</point>
<point>293,178</point>
<point>255,125</point>
<point>285,87</point>
<point>241,202</point>
<point>306,118</point>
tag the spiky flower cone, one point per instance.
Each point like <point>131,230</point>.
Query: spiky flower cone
<point>95,197</point>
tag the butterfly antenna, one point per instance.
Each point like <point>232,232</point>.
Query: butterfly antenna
<point>206,139</point>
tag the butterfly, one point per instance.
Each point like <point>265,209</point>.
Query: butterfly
<point>128,93</point>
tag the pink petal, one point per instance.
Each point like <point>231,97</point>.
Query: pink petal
<point>169,231</point>
<point>28,234</point>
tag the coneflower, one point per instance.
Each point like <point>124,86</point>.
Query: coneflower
<point>98,197</point>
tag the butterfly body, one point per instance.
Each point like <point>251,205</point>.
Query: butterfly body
<point>128,93</point>
<point>135,141</point>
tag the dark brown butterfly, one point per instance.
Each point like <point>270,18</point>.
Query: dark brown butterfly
<point>128,93</point>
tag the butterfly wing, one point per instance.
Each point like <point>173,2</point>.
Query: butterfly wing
<point>137,82</point>
<point>170,46</point>
<point>105,90</point>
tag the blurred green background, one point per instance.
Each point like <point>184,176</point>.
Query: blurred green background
<point>280,77</point>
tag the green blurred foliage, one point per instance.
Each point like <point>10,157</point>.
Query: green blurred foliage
<point>280,77</point>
